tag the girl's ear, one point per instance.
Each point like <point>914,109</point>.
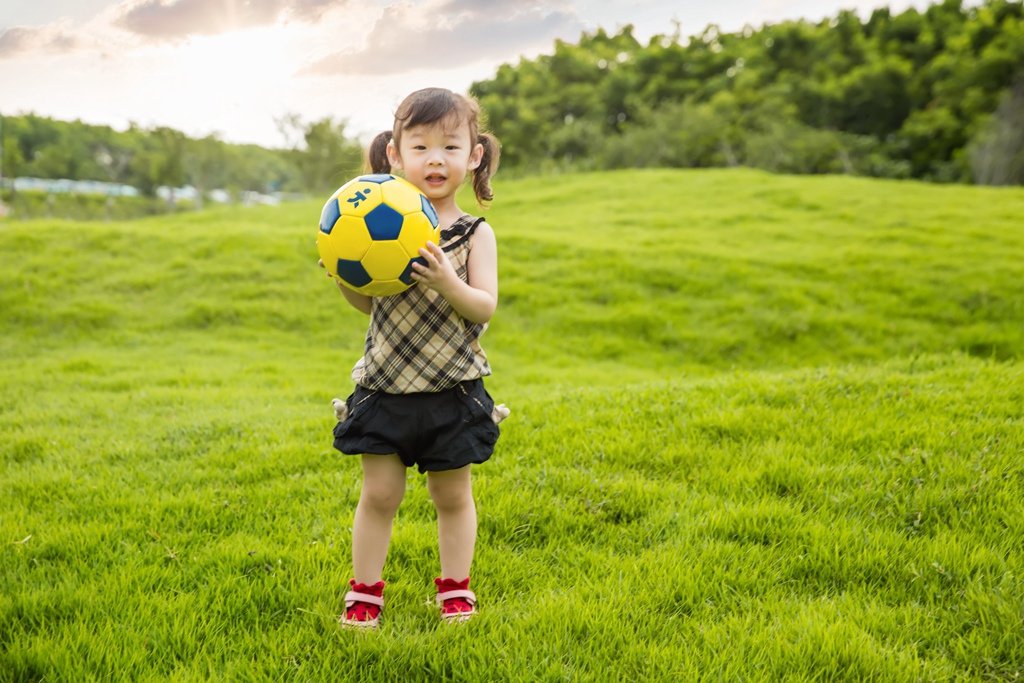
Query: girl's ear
<point>392,152</point>
<point>476,156</point>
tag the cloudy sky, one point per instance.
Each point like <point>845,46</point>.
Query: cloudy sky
<point>232,67</point>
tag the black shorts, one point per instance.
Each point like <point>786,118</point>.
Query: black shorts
<point>435,431</point>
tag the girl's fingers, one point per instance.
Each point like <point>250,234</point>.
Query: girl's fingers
<point>435,251</point>
<point>419,273</point>
<point>433,266</point>
<point>428,256</point>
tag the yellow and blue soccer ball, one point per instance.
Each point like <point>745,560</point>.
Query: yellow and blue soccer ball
<point>371,232</point>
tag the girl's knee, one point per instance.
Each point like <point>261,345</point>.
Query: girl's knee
<point>450,493</point>
<point>383,483</point>
<point>382,497</point>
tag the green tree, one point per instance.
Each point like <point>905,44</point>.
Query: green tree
<point>997,152</point>
<point>204,164</point>
<point>12,159</point>
<point>897,94</point>
<point>324,155</point>
<point>874,98</point>
<point>160,162</point>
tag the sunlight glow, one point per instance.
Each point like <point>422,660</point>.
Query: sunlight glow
<point>232,65</point>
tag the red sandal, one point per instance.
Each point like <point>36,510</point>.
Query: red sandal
<point>456,602</point>
<point>363,605</point>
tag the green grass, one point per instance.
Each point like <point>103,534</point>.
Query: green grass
<point>763,428</point>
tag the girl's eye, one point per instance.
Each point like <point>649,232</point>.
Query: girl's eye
<point>451,147</point>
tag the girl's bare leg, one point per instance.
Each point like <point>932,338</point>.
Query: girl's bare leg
<point>452,493</point>
<point>383,489</point>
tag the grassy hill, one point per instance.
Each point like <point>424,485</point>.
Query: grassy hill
<point>762,426</point>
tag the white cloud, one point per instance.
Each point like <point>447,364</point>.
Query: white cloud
<point>136,24</point>
<point>164,20</point>
<point>446,34</point>
<point>53,39</point>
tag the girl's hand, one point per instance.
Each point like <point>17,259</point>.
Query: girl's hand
<point>438,274</point>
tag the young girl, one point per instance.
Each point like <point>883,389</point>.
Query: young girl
<point>419,397</point>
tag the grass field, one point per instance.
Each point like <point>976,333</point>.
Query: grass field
<point>763,427</point>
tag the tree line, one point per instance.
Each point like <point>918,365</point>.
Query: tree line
<point>319,157</point>
<point>936,94</point>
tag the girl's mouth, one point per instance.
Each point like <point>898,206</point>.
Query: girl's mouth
<point>435,179</point>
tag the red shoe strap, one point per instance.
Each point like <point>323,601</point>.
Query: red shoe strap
<point>467,595</point>
<point>353,597</point>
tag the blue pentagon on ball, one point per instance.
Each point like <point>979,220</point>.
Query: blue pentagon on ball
<point>428,209</point>
<point>384,223</point>
<point>329,216</point>
<point>377,178</point>
<point>353,273</point>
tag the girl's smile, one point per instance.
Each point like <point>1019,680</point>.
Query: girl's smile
<point>436,179</point>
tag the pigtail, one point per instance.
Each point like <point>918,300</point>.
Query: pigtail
<point>377,154</point>
<point>487,168</point>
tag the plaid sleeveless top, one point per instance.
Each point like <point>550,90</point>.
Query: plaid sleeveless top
<point>416,341</point>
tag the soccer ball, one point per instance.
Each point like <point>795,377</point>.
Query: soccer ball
<point>371,232</point>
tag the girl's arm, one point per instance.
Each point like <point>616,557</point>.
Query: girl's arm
<point>477,300</point>
<point>360,302</point>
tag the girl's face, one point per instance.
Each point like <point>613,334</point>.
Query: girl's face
<point>436,158</point>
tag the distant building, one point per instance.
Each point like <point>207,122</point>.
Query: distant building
<point>181,194</point>
<point>65,186</point>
